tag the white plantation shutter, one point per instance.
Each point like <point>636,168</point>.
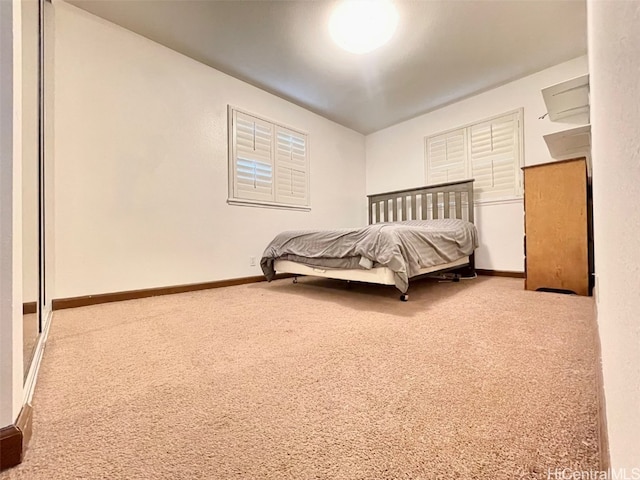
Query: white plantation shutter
<point>253,163</point>
<point>269,164</point>
<point>487,151</point>
<point>447,157</point>
<point>494,157</point>
<point>291,167</point>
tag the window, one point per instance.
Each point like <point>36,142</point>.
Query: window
<point>488,151</point>
<point>268,163</point>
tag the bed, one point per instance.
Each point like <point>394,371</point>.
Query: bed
<point>411,233</point>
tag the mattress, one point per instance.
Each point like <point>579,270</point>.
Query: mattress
<point>405,248</point>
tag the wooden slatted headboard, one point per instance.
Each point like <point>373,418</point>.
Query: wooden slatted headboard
<point>444,200</point>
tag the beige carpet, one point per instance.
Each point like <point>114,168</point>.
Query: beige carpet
<point>478,379</point>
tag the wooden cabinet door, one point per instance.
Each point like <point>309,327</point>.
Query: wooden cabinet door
<point>555,203</point>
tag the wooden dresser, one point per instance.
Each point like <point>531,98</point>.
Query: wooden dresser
<point>557,226</point>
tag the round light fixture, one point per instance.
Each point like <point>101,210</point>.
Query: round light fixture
<point>360,26</point>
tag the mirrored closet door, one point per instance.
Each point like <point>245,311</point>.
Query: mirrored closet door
<point>31,161</point>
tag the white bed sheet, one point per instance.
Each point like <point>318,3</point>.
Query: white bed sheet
<point>380,275</point>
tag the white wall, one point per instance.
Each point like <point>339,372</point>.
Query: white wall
<point>614,56</point>
<point>10,213</point>
<point>141,165</point>
<point>395,155</point>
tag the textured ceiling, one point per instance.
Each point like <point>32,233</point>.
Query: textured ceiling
<point>442,51</point>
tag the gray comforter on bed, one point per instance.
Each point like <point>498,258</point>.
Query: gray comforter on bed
<point>403,247</point>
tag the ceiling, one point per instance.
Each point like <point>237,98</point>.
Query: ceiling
<point>442,51</point>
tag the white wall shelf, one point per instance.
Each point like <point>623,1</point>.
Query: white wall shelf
<point>571,143</point>
<point>568,101</point>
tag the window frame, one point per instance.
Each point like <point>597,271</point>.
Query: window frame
<point>232,198</point>
<point>518,187</point>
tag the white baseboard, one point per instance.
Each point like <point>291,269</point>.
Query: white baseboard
<point>32,376</point>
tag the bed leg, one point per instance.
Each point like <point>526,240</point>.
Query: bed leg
<point>404,297</point>
<point>295,279</point>
<point>472,265</point>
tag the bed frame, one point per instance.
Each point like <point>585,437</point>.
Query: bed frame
<point>444,200</point>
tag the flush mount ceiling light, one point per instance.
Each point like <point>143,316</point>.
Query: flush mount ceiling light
<point>360,26</point>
